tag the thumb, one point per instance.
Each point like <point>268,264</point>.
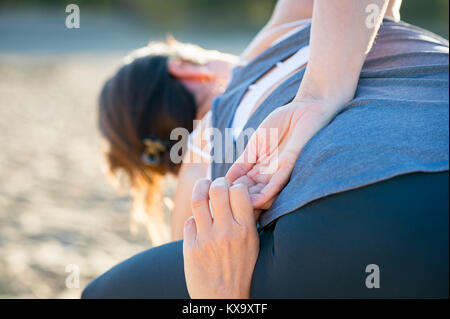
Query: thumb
<point>190,233</point>
<point>241,205</point>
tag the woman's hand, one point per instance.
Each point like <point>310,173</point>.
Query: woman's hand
<point>270,156</point>
<point>220,253</point>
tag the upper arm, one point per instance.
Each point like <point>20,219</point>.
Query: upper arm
<point>286,11</point>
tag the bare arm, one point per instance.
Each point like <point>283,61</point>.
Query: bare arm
<point>285,11</point>
<point>188,176</point>
<point>340,40</point>
<point>293,10</point>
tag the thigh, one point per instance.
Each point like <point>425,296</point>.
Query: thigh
<point>157,273</point>
<point>323,249</point>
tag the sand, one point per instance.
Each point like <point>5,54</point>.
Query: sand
<point>56,206</point>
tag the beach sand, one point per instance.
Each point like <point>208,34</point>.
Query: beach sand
<point>56,206</point>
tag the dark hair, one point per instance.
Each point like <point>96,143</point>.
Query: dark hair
<point>144,102</point>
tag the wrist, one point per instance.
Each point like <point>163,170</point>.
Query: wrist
<point>333,96</point>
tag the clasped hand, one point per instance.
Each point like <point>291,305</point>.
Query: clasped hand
<point>221,247</point>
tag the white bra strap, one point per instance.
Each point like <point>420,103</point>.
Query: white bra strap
<point>300,24</point>
<point>289,33</point>
<point>251,99</point>
<point>289,25</point>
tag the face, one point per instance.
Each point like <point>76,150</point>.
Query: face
<point>206,77</point>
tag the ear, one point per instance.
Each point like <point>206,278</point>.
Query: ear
<point>189,71</point>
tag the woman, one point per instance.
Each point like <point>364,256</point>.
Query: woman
<point>318,249</point>
<point>184,79</point>
<point>160,87</point>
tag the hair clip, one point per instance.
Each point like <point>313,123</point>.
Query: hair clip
<point>152,152</point>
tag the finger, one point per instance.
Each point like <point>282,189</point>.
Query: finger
<point>238,169</point>
<point>241,205</point>
<point>258,174</point>
<point>190,233</point>
<point>275,186</point>
<point>200,204</point>
<point>266,206</point>
<point>256,189</point>
<point>245,162</point>
<point>245,180</point>
<point>257,214</point>
<point>253,188</point>
<point>220,201</point>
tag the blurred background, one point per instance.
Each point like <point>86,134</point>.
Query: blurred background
<point>56,207</point>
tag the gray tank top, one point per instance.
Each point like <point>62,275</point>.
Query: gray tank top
<point>398,122</point>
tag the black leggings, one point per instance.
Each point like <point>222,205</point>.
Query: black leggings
<point>322,250</point>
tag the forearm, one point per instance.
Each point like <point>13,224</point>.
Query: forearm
<point>340,41</point>
<point>188,176</point>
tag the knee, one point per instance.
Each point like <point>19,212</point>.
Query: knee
<point>88,292</point>
<point>111,285</point>
<point>94,290</point>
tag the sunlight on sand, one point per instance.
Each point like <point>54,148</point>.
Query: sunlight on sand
<point>56,207</point>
